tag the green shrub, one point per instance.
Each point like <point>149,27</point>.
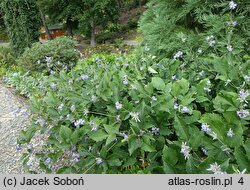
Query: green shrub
<point>3,35</point>
<point>7,60</point>
<point>132,24</point>
<point>22,21</point>
<point>105,37</point>
<point>51,56</point>
<point>170,26</point>
<point>24,83</point>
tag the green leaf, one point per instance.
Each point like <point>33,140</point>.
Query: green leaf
<point>181,128</point>
<point>190,165</point>
<point>112,129</point>
<point>133,144</point>
<point>168,168</point>
<point>99,135</point>
<point>151,70</point>
<point>110,139</point>
<point>196,137</point>
<point>225,165</point>
<point>247,148</point>
<point>75,136</point>
<point>114,162</point>
<point>169,155</point>
<point>242,159</point>
<point>221,66</point>
<point>65,133</point>
<point>147,147</point>
<point>130,162</point>
<point>26,135</point>
<point>52,112</point>
<point>158,83</point>
<point>180,87</point>
<point>216,123</point>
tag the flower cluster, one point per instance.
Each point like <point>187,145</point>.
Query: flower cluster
<point>211,40</point>
<point>179,54</point>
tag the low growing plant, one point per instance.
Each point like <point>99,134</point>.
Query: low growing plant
<point>126,115</point>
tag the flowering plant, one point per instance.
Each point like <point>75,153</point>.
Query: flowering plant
<point>129,115</point>
<point>184,113</point>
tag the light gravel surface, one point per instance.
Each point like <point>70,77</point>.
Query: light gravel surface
<point>13,118</point>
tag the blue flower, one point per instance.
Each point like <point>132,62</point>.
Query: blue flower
<point>47,161</point>
<point>232,5</point>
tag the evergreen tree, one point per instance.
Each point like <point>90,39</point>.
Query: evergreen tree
<point>22,22</point>
<point>191,25</point>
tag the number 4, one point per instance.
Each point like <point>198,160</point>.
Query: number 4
<point>241,181</point>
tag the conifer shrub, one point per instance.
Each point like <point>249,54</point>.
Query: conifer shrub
<point>213,26</point>
<point>22,22</point>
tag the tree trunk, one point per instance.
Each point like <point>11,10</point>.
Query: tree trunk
<point>140,3</point>
<point>45,24</point>
<point>69,27</point>
<point>93,38</point>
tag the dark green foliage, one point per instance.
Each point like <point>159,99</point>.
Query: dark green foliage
<point>63,11</point>
<point>170,26</point>
<point>97,14</point>
<point>51,56</point>
<point>7,59</point>
<point>126,115</point>
<point>22,22</point>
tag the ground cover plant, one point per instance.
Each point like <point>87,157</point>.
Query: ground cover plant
<point>117,115</point>
<point>180,111</point>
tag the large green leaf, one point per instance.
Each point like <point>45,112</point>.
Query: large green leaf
<point>169,155</point>
<point>65,133</point>
<point>158,83</point>
<point>247,148</point>
<point>181,128</point>
<point>180,87</point>
<point>99,135</point>
<point>242,160</point>
<point>133,144</point>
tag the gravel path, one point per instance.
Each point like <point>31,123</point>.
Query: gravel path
<point>13,118</point>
